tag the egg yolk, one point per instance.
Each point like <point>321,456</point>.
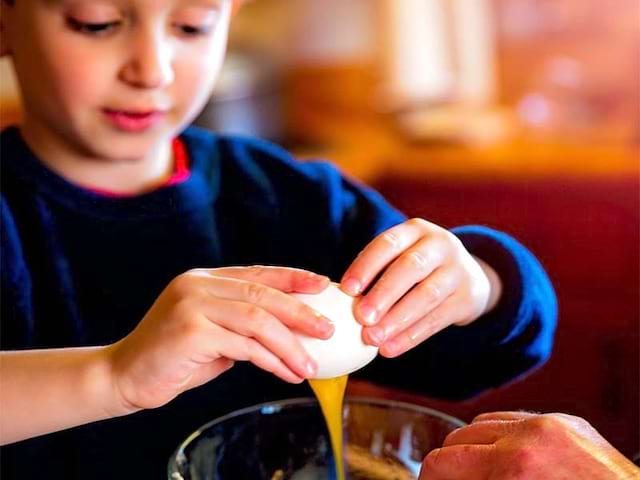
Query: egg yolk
<point>330,394</point>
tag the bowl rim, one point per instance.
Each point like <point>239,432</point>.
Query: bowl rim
<point>278,405</point>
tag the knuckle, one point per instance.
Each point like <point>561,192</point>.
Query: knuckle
<point>409,338</point>
<point>478,291</point>
<point>449,235</point>
<point>453,460</point>
<point>462,454</point>
<point>431,291</point>
<point>182,285</point>
<point>543,424</point>
<point>468,312</point>
<point>257,272</point>
<point>432,460</point>
<point>545,429</point>
<point>451,239</point>
<point>451,437</point>
<point>392,239</point>
<point>435,316</point>
<point>416,261</point>
<point>254,314</point>
<point>193,272</point>
<point>417,222</point>
<point>571,419</point>
<point>254,293</point>
<point>481,417</point>
<point>303,312</point>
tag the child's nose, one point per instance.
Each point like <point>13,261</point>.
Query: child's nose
<point>150,62</point>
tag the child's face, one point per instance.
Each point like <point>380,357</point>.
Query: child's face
<point>113,79</point>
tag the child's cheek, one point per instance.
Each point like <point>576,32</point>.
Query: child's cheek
<point>81,80</point>
<point>196,79</point>
<point>198,66</point>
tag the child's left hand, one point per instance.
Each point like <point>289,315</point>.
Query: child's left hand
<point>425,281</point>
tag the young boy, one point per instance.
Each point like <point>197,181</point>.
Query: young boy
<point>130,245</point>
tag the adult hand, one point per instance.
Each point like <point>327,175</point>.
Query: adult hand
<point>527,446</point>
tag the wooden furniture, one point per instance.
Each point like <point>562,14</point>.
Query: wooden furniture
<point>577,208</point>
<point>586,233</point>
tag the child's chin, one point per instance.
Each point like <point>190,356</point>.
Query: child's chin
<point>133,147</point>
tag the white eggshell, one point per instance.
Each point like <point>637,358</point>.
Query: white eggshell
<point>344,352</point>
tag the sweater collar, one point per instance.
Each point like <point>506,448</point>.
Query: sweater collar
<point>201,187</point>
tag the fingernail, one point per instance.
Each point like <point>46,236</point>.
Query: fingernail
<point>368,313</point>
<point>376,335</point>
<point>322,324</point>
<point>316,277</point>
<point>352,286</point>
<point>392,347</point>
<point>326,328</point>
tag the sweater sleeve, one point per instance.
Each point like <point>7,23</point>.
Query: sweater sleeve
<point>515,337</point>
<point>337,217</point>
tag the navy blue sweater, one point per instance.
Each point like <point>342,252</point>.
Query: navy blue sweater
<point>80,269</point>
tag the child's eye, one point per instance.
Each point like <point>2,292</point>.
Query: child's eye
<point>95,29</point>
<point>193,31</point>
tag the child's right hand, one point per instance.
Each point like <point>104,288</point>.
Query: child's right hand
<point>205,320</point>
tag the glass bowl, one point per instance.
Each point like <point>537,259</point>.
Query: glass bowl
<point>288,440</point>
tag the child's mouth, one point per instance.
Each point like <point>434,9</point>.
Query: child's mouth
<point>133,121</point>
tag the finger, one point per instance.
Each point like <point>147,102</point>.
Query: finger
<point>285,279</point>
<point>491,416</point>
<point>379,253</point>
<point>471,462</point>
<point>289,310</point>
<point>420,301</point>
<point>411,267</point>
<point>483,433</point>
<point>436,320</point>
<point>254,322</point>
<point>237,347</point>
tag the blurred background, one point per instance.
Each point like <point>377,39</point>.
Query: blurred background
<point>523,115</point>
